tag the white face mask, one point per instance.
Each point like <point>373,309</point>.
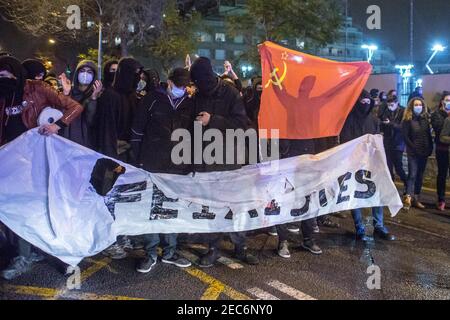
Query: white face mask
<point>178,92</point>
<point>141,86</point>
<point>393,106</point>
<point>85,78</point>
<point>447,105</point>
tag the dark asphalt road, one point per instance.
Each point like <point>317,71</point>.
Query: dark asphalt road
<point>416,266</point>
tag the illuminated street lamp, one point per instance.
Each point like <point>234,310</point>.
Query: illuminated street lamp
<point>436,49</point>
<point>370,51</point>
<point>246,69</point>
<point>51,41</point>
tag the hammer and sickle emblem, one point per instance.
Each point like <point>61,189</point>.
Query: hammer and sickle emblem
<point>275,80</point>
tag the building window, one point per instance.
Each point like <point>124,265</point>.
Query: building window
<point>204,37</point>
<point>239,39</point>
<point>220,54</point>
<point>238,53</point>
<point>220,37</point>
<point>204,53</point>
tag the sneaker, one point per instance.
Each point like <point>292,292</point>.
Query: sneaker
<point>177,261</point>
<point>273,232</point>
<point>126,243</point>
<point>441,206</point>
<point>18,266</point>
<point>383,234</point>
<point>362,237</point>
<point>293,228</point>
<point>310,246</point>
<point>417,204</point>
<point>208,260</point>
<point>283,250</point>
<point>115,252</point>
<point>36,257</point>
<point>328,223</point>
<point>146,265</point>
<point>247,257</point>
<point>407,202</point>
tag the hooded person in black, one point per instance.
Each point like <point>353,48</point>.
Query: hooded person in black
<point>218,105</point>
<point>360,122</point>
<point>106,121</point>
<point>85,90</point>
<point>127,77</point>
<point>35,69</point>
<point>109,72</point>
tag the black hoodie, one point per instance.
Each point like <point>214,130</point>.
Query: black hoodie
<point>108,77</point>
<point>125,84</point>
<point>80,130</point>
<point>34,68</point>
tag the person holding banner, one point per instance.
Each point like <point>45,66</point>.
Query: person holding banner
<point>360,122</point>
<point>21,102</point>
<point>219,106</point>
<point>160,113</point>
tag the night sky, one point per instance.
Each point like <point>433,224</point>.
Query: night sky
<point>432,24</point>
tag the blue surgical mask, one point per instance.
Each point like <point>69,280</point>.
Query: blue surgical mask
<point>85,78</point>
<point>178,92</point>
<point>418,110</point>
<point>393,106</point>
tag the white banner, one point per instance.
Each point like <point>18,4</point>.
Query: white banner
<point>47,199</point>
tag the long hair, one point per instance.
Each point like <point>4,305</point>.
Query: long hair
<point>441,101</point>
<point>409,112</point>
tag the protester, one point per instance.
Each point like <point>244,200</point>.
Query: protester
<point>159,114</point>
<point>106,121</point>
<point>442,158</point>
<point>21,102</point>
<point>109,72</point>
<point>231,75</point>
<point>125,84</point>
<point>219,106</point>
<point>360,122</point>
<point>417,93</point>
<point>394,143</point>
<point>85,89</point>
<point>35,69</point>
<point>419,146</point>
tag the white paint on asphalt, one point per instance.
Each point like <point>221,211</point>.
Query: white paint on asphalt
<point>292,292</point>
<point>261,294</point>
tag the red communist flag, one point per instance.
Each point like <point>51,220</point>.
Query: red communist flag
<point>307,97</point>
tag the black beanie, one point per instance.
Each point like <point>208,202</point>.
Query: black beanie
<point>180,77</point>
<point>34,68</point>
<point>365,95</point>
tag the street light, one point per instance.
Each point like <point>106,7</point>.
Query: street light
<point>436,49</point>
<point>246,69</point>
<point>51,41</point>
<point>370,51</point>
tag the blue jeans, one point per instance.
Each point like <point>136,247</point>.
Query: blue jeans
<point>152,241</point>
<point>378,220</point>
<point>416,169</point>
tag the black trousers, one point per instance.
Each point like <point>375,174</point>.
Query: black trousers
<point>442,159</point>
<point>307,227</point>
<point>237,238</point>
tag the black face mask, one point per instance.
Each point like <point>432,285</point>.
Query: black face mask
<point>7,86</point>
<point>364,107</point>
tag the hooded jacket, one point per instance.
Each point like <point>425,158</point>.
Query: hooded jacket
<point>35,96</point>
<point>359,123</point>
<point>108,77</point>
<point>437,121</point>
<point>125,84</point>
<point>34,68</point>
<point>158,116</point>
<point>80,130</point>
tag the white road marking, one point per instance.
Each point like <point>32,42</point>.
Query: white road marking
<point>261,294</point>
<point>292,292</point>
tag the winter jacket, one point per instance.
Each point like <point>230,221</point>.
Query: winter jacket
<point>157,117</point>
<point>80,130</point>
<point>359,123</point>
<point>437,122</point>
<point>417,134</point>
<point>38,95</point>
<point>392,132</point>
<point>445,133</point>
<point>227,111</point>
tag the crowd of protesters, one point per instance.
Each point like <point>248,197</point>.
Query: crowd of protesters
<point>131,115</point>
